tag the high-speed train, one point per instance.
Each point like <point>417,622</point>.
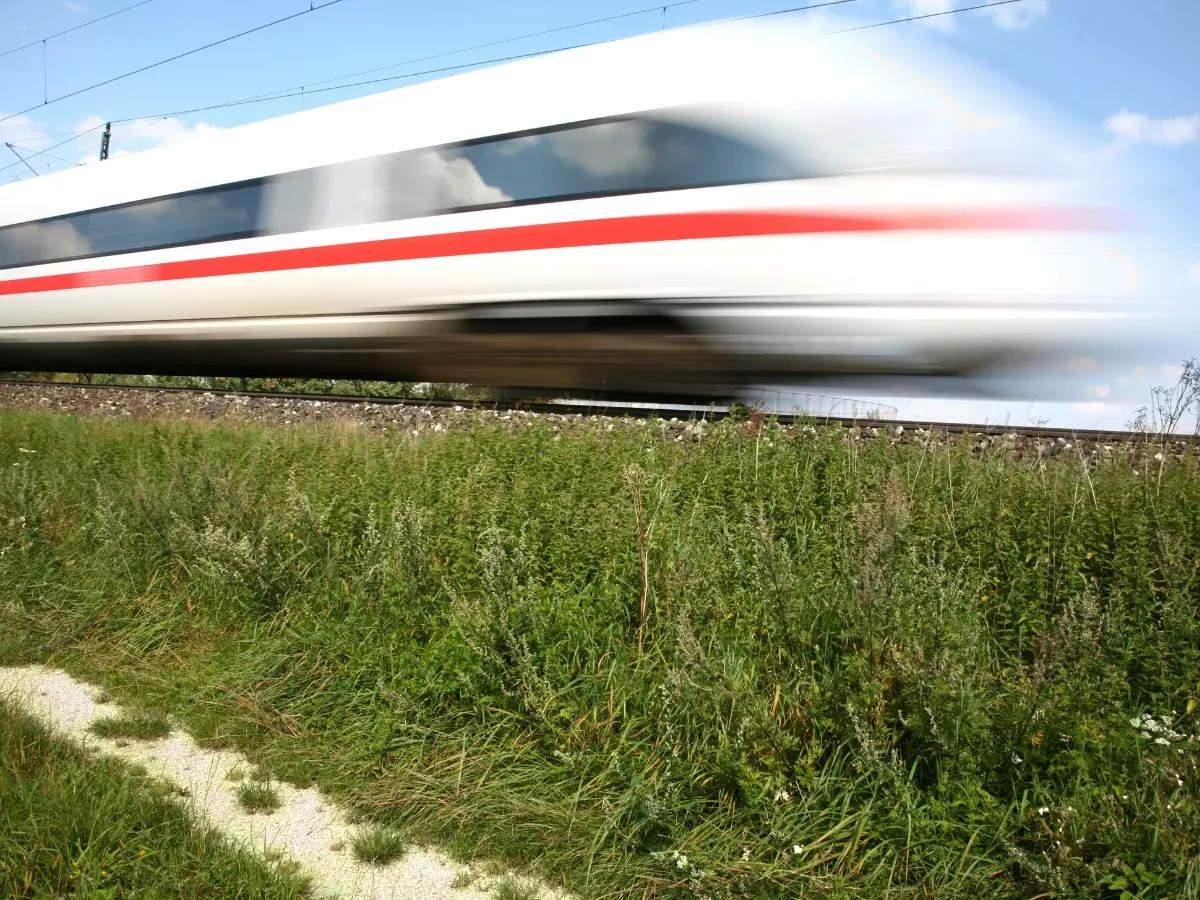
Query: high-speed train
<point>681,212</point>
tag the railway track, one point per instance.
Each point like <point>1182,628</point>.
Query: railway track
<point>648,411</point>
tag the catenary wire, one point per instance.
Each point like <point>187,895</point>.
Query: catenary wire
<point>41,40</point>
<point>311,87</point>
<point>303,90</point>
<point>177,56</point>
<point>509,40</point>
<point>74,137</point>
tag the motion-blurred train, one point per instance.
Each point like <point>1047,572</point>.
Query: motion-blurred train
<point>683,212</point>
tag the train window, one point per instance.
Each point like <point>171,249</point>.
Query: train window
<point>625,155</point>
<point>214,214</point>
<point>617,156</point>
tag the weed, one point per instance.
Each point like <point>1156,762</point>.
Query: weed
<point>512,889</point>
<point>378,845</point>
<point>136,725</point>
<point>890,656</point>
<point>257,797</point>
<point>464,879</point>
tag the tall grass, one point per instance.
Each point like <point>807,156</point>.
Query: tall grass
<point>760,662</point>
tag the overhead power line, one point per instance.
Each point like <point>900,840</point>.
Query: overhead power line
<point>946,12</point>
<point>509,40</point>
<point>61,159</point>
<point>74,137</point>
<point>311,87</point>
<point>303,89</point>
<point>162,62</point>
<point>42,40</point>
<point>21,158</point>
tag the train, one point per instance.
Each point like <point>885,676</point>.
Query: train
<point>682,213</point>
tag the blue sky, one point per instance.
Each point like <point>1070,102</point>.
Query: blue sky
<point>1127,72</point>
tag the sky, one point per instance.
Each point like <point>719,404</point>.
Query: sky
<point>1127,73</point>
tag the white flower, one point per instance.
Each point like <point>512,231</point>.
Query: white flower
<point>745,854</point>
<point>1042,810</point>
<point>1016,760</point>
<point>1158,457</point>
<point>1161,740</point>
<point>797,849</point>
<point>782,796</point>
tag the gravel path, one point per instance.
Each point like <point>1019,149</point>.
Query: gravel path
<point>385,418</point>
<point>307,827</point>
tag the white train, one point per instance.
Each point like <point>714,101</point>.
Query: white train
<point>682,212</point>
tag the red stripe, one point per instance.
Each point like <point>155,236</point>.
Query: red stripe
<point>592,232</point>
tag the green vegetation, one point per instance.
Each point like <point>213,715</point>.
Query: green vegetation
<point>348,387</point>
<point>257,797</point>
<point>762,662</point>
<point>136,724</point>
<point>378,845</point>
<point>74,824</point>
<point>511,889</point>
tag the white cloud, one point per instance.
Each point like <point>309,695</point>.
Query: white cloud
<point>1132,127</point>
<point>1009,16</point>
<point>22,131</point>
<point>1094,406</point>
<point>129,137</point>
<point>930,8</point>
<point>1194,273</point>
<point>155,132</point>
<point>1013,16</point>
<point>73,6</point>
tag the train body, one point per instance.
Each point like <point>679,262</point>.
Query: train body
<point>682,212</point>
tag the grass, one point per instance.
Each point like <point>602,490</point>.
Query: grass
<point>644,667</point>
<point>73,824</point>
<point>257,797</point>
<point>511,889</point>
<point>378,845</point>
<point>354,388</point>
<point>134,724</point>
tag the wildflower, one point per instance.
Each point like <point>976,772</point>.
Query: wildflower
<point>797,849</point>
<point>681,861</point>
<point>745,854</point>
<point>1042,810</point>
<point>1016,759</point>
<point>782,796</point>
<point>1158,457</point>
<point>1162,740</point>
